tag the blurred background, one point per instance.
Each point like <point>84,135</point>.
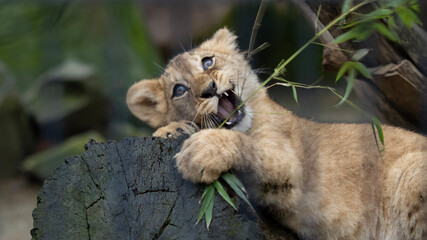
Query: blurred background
<point>65,67</point>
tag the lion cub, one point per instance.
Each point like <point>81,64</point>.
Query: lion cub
<point>323,181</point>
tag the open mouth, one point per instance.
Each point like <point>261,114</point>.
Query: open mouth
<point>227,103</point>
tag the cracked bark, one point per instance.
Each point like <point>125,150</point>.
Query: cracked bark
<point>132,190</point>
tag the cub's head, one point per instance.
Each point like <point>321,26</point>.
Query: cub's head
<point>204,85</point>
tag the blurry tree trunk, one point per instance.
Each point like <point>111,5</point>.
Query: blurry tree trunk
<point>132,190</point>
<point>397,93</point>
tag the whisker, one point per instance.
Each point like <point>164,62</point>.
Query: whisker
<point>214,121</point>
<point>204,121</point>
<point>194,119</point>
<point>209,122</point>
<point>247,114</point>
<point>160,67</point>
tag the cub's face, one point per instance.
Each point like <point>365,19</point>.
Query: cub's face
<point>204,85</point>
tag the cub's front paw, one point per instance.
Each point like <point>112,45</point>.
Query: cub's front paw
<point>175,129</point>
<point>206,154</point>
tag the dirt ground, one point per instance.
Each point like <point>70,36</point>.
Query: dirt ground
<point>18,198</point>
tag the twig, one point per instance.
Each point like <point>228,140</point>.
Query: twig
<point>257,25</point>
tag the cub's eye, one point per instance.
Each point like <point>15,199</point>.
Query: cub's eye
<point>207,62</point>
<point>179,90</point>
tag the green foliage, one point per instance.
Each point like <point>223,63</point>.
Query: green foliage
<point>351,68</point>
<point>363,25</point>
<point>236,185</point>
<point>35,37</point>
<point>376,124</point>
<point>361,28</point>
<point>223,193</point>
<point>209,195</point>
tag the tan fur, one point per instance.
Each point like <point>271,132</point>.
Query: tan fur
<point>323,181</point>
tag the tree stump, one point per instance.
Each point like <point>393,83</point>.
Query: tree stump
<point>132,190</point>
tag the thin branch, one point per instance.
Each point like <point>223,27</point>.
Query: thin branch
<point>257,25</point>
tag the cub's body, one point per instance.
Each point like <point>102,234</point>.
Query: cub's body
<point>323,181</point>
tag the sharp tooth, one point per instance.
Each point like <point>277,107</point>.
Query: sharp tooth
<point>228,123</point>
<point>226,94</point>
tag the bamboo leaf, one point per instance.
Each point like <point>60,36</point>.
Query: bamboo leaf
<point>381,28</point>
<point>209,196</point>
<point>359,54</point>
<point>223,193</point>
<point>362,69</point>
<point>294,92</point>
<point>376,122</point>
<point>209,211</point>
<point>342,70</point>
<point>346,36</point>
<point>391,23</point>
<point>350,80</point>
<point>378,14</point>
<point>407,16</point>
<point>364,31</point>
<point>345,7</point>
<point>259,49</point>
<point>231,181</point>
<point>234,179</point>
<point>204,193</point>
<point>414,6</point>
<point>368,18</point>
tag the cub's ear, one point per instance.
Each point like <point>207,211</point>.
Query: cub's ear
<point>147,101</point>
<point>222,40</point>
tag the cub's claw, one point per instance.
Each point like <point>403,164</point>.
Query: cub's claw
<point>176,129</point>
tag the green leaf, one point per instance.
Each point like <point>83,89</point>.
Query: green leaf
<point>376,122</point>
<point>378,13</point>
<point>364,31</point>
<point>345,7</point>
<point>414,6</point>
<point>350,78</point>
<point>391,23</point>
<point>368,18</point>
<point>236,185</point>
<point>342,70</point>
<point>209,196</point>
<point>391,35</point>
<point>234,179</point>
<point>362,69</point>
<point>346,36</point>
<point>359,54</point>
<point>260,48</point>
<point>294,91</point>
<point>204,192</point>
<point>223,193</point>
<point>407,16</point>
<point>359,32</point>
<point>208,214</point>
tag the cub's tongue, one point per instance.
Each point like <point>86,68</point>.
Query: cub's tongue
<point>225,108</point>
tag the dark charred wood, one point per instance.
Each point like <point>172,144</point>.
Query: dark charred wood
<point>132,190</point>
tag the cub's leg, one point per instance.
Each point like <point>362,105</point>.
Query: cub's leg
<point>175,129</point>
<point>208,153</point>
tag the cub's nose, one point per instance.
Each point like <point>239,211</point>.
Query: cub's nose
<point>210,91</point>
